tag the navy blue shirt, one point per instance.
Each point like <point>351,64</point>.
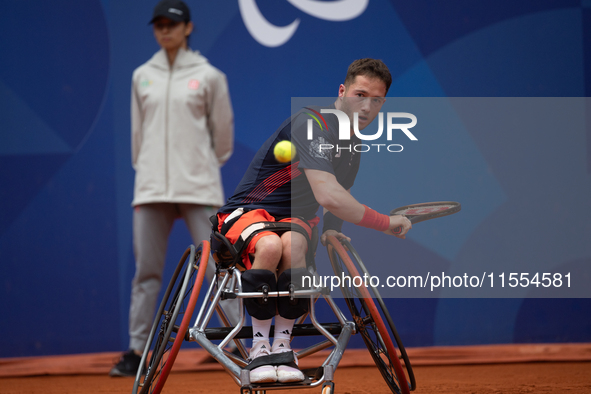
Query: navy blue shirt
<point>282,189</point>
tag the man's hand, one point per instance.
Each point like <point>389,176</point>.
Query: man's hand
<point>335,234</point>
<point>398,221</point>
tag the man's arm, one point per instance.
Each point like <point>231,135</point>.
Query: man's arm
<point>332,226</point>
<point>332,196</point>
<point>221,119</point>
<point>136,124</point>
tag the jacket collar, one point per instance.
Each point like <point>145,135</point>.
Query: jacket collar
<point>184,58</point>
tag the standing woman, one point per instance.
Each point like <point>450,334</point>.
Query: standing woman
<point>182,128</point>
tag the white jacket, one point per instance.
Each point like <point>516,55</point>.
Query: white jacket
<point>182,130</point>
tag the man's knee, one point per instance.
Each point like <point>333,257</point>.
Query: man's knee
<point>295,246</point>
<point>292,308</point>
<point>255,280</point>
<point>268,252</point>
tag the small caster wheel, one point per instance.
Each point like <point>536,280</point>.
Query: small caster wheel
<point>328,388</point>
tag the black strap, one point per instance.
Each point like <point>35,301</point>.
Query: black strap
<point>286,358</point>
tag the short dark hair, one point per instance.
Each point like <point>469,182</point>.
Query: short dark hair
<point>373,68</point>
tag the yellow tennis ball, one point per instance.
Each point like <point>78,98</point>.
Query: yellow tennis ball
<point>284,151</point>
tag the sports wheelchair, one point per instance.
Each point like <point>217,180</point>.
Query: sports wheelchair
<point>172,325</point>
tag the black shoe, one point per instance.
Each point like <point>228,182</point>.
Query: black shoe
<point>128,364</point>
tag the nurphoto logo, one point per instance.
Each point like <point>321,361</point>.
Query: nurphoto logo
<point>345,129</point>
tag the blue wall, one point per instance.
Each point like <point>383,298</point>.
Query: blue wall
<point>66,181</point>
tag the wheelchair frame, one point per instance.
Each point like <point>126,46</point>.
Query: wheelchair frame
<point>181,296</point>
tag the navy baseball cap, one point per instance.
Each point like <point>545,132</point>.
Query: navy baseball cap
<point>174,10</point>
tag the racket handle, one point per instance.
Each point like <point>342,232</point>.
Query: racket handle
<point>397,230</point>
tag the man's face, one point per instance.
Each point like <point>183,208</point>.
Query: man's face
<point>364,96</point>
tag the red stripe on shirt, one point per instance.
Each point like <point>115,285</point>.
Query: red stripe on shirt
<point>273,182</point>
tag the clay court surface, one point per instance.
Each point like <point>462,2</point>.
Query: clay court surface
<point>508,378</point>
<point>459,370</point>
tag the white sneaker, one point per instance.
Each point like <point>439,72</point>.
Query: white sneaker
<point>285,373</point>
<point>264,373</point>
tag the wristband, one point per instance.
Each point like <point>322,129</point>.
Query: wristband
<point>331,222</point>
<point>375,220</point>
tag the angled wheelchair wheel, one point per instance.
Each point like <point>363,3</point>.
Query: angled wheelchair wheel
<point>172,320</point>
<point>368,319</point>
<point>388,319</point>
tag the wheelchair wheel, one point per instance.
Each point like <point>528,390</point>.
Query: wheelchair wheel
<point>368,319</point>
<point>172,318</point>
<point>357,259</point>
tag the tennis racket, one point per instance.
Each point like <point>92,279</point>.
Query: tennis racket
<point>425,211</point>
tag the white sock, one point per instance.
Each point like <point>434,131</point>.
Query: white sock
<point>260,330</point>
<point>283,327</point>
